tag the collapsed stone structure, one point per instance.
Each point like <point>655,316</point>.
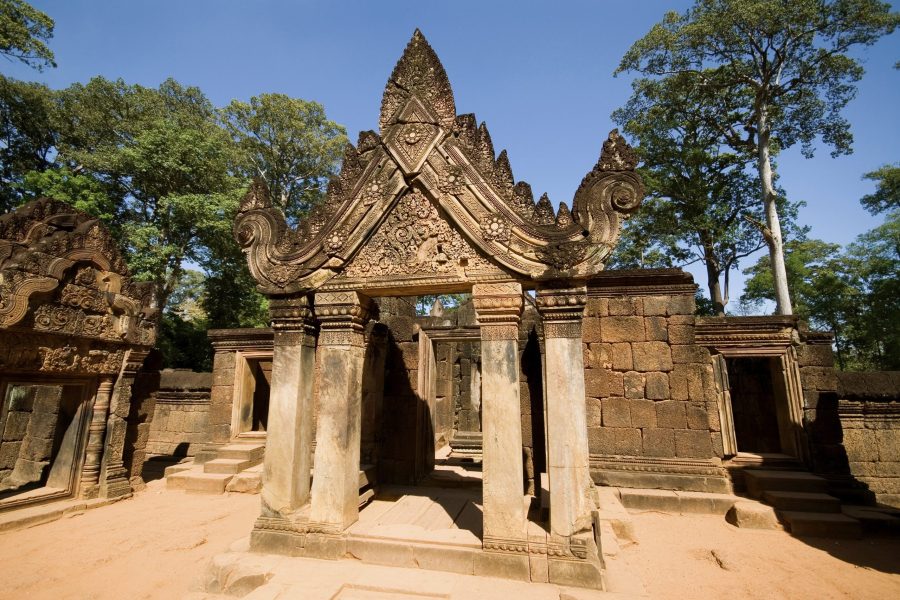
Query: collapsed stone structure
<point>74,331</point>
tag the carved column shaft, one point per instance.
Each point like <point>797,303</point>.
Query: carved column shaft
<point>335,494</point>
<point>113,475</point>
<point>498,308</point>
<point>289,435</point>
<point>90,473</point>
<point>568,469</point>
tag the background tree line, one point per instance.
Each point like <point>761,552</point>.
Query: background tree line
<point>721,90</point>
<point>164,169</point>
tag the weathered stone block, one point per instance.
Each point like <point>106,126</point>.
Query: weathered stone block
<point>616,412</point>
<point>621,357</point>
<point>818,355</point>
<point>597,307</point>
<point>643,413</point>
<point>16,425</point>
<point>678,383</point>
<point>590,330</point>
<point>601,383</point>
<point>627,441</point>
<point>697,417</point>
<point>818,378</point>
<point>652,356</point>
<point>689,354</point>
<point>692,444</point>
<point>634,385</point>
<point>656,329</point>
<point>657,386</point>
<point>681,334</point>
<point>659,442</point>
<point>624,307</point>
<point>602,440</point>
<point>594,412</point>
<point>671,414</point>
<point>656,305</point>
<point>752,515</point>
<point>622,329</point>
<point>888,441</point>
<point>682,305</point>
<point>696,390</point>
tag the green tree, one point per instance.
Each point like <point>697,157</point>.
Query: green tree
<point>700,206</point>
<point>776,74</point>
<point>290,144</point>
<point>24,31</point>
<point>887,190</point>
<point>27,136</point>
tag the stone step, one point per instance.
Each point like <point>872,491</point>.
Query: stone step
<point>802,501</point>
<point>247,482</point>
<point>816,524</point>
<point>180,467</point>
<point>366,475</point>
<point>202,483</point>
<point>875,520</point>
<point>761,480</point>
<point>230,466</point>
<point>252,452</point>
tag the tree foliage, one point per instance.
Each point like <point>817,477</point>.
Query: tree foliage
<point>855,293</point>
<point>887,190</point>
<point>701,205</point>
<point>24,33</point>
<point>774,74</point>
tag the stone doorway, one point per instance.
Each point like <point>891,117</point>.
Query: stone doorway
<point>44,430</point>
<point>250,409</point>
<point>755,399</point>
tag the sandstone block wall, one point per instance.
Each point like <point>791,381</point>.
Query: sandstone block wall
<point>650,391</point>
<point>180,424</point>
<point>29,433</point>
<point>869,409</point>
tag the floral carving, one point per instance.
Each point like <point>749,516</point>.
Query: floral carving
<point>452,180</point>
<point>414,239</point>
<point>495,228</point>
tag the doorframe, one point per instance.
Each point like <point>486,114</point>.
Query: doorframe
<point>243,396</point>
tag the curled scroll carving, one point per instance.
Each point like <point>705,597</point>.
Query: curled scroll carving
<point>425,150</point>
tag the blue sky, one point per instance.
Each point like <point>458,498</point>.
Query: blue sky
<point>539,74</point>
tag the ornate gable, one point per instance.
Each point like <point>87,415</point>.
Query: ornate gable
<point>477,223</point>
<point>62,274</point>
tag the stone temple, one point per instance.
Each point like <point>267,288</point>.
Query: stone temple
<point>495,439</point>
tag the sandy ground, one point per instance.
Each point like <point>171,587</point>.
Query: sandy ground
<point>154,545</point>
<point>700,556</point>
<point>157,545</point>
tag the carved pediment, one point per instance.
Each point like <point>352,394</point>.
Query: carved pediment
<point>61,273</point>
<point>427,156</point>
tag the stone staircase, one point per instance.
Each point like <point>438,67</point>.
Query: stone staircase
<point>802,503</point>
<point>237,467</point>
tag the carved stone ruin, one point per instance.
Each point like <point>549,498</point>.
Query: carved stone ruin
<point>425,206</point>
<point>74,331</point>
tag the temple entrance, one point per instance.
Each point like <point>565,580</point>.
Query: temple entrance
<point>43,428</point>
<point>253,377</point>
<point>754,406</point>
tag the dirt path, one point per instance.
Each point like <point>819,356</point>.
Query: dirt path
<point>154,545</point>
<point>693,556</point>
<point>157,545</point>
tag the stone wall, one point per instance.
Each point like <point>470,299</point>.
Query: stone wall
<point>28,435</point>
<point>180,424</point>
<point>652,400</point>
<point>869,409</point>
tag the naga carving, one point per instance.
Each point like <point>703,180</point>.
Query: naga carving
<point>477,223</point>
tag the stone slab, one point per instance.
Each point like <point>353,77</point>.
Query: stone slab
<point>748,514</point>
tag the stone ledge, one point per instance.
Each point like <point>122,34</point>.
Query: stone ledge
<point>676,502</point>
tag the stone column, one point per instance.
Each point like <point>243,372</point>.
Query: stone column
<point>335,492</point>
<point>571,488</point>
<point>498,308</point>
<point>289,435</point>
<point>113,476</point>
<point>90,473</point>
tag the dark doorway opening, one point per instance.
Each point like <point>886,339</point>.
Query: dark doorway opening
<point>754,404</point>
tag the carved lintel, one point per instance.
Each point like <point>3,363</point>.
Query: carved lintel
<point>562,310</point>
<point>343,317</point>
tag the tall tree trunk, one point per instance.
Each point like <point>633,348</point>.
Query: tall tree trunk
<point>712,281</point>
<point>773,236</point>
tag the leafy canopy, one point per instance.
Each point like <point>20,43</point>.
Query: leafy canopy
<point>24,31</point>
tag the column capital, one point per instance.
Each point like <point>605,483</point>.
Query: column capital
<point>293,320</point>
<point>562,309</point>
<point>498,308</point>
<point>343,316</point>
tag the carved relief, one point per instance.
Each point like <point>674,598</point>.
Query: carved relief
<point>363,230</point>
<point>414,239</point>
